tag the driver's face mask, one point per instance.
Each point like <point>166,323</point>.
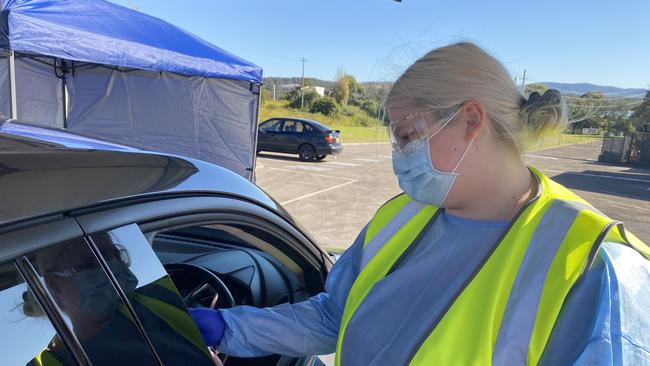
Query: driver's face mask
<point>95,294</point>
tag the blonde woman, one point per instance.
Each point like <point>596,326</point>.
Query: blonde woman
<point>482,260</point>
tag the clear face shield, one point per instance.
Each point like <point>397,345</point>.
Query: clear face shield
<point>409,131</point>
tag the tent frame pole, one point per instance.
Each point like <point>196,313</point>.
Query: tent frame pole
<point>257,117</point>
<point>64,96</point>
<point>11,65</point>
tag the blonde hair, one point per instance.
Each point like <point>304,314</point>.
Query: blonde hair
<point>447,76</point>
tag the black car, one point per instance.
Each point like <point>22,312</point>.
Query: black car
<point>102,250</point>
<point>309,139</point>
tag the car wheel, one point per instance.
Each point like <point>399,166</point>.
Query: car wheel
<point>306,152</point>
<point>320,157</point>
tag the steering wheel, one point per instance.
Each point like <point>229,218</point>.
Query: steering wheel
<point>206,281</point>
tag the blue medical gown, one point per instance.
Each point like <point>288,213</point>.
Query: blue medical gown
<point>605,319</point>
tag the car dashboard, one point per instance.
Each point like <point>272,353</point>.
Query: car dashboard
<point>252,276</point>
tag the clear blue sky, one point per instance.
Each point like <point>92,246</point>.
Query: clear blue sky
<point>598,41</point>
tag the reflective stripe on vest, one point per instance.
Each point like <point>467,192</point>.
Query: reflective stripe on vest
<point>508,307</point>
<point>44,358</point>
<point>177,319</point>
<point>394,246</point>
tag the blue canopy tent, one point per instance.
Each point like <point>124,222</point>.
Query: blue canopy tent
<point>105,71</point>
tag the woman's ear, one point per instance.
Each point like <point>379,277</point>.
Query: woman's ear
<point>475,118</point>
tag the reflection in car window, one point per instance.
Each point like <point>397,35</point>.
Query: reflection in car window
<point>272,126</point>
<point>154,297</point>
<point>93,309</point>
<point>307,128</point>
<point>25,330</point>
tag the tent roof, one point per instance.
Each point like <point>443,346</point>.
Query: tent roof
<point>101,32</point>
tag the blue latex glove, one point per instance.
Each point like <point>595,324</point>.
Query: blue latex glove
<point>210,324</point>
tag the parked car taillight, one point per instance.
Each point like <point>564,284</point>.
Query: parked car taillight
<point>330,139</point>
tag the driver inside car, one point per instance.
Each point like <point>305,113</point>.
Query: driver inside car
<point>82,290</point>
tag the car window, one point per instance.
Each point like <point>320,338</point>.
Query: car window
<point>307,128</point>
<point>292,126</point>
<point>25,329</point>
<point>272,126</point>
<point>92,307</point>
<point>154,297</point>
<point>300,127</point>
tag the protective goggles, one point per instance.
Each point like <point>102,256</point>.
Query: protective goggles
<point>408,134</point>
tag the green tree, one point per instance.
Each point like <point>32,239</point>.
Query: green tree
<point>585,112</point>
<point>341,90</point>
<point>621,125</point>
<point>641,113</point>
<point>295,98</point>
<point>325,105</point>
<point>370,107</point>
<point>357,92</point>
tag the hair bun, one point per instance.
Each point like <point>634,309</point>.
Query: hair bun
<point>543,113</point>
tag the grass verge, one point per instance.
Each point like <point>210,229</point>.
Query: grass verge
<point>356,126</point>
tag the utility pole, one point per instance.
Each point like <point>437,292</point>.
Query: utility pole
<point>274,92</point>
<point>523,83</point>
<point>302,90</point>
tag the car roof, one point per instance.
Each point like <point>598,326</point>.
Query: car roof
<point>45,171</point>
<point>311,121</point>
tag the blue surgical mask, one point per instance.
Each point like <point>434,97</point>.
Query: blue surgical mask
<point>417,176</point>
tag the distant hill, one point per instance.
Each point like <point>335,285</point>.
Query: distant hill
<point>610,91</point>
<point>567,88</point>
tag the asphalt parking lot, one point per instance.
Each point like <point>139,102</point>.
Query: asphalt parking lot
<point>335,198</point>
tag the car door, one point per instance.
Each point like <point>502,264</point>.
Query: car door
<point>310,134</point>
<point>289,138</point>
<point>59,303</point>
<point>304,132</point>
<point>152,295</point>
<point>269,132</point>
<point>159,216</point>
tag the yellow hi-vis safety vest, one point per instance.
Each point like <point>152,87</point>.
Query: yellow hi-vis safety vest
<point>493,319</point>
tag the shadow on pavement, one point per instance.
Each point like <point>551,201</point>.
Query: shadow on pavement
<point>632,185</point>
<point>287,158</point>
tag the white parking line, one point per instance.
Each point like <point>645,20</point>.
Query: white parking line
<point>625,205</point>
<point>340,163</point>
<point>599,176</point>
<point>318,192</point>
<point>540,157</point>
<point>368,160</point>
<point>349,181</point>
<point>316,175</point>
<point>307,168</point>
<point>365,143</point>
